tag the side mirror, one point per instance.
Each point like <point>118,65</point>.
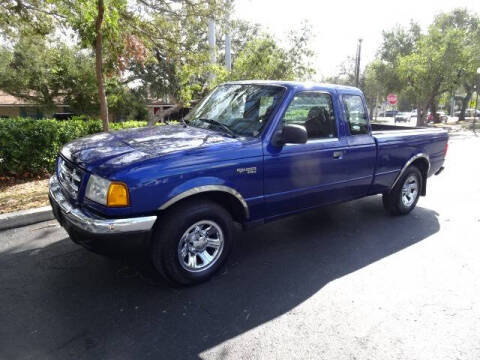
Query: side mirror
<point>291,134</point>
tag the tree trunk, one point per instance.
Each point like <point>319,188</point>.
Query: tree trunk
<point>465,102</point>
<point>475,115</point>
<point>160,116</point>
<point>372,108</point>
<point>99,66</point>
<point>421,114</point>
<point>433,109</point>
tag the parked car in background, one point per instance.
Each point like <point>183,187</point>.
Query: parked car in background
<point>389,113</point>
<point>441,115</point>
<point>473,112</point>
<point>402,117</point>
<point>469,113</point>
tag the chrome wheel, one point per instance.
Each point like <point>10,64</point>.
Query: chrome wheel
<point>200,246</point>
<point>410,190</point>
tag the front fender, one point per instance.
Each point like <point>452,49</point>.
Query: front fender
<point>203,185</point>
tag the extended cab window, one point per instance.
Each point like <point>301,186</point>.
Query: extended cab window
<point>314,110</point>
<point>356,115</point>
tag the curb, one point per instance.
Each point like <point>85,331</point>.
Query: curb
<point>25,217</point>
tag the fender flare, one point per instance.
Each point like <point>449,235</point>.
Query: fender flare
<point>207,188</point>
<point>410,162</point>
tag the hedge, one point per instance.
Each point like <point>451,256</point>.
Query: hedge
<point>29,147</point>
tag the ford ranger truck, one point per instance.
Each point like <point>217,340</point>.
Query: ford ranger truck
<point>250,152</point>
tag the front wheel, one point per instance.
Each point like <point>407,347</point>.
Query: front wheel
<point>404,196</point>
<point>192,242</point>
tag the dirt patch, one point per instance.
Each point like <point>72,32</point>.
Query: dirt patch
<point>23,195</point>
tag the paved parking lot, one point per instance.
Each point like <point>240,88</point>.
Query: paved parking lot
<point>344,282</point>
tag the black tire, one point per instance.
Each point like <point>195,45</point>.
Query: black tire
<point>392,201</point>
<point>170,230</point>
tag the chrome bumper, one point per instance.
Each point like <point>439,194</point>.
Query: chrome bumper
<point>93,224</point>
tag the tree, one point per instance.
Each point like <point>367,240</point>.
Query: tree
<point>300,52</point>
<point>125,103</point>
<point>263,58</point>
<point>373,88</point>
<point>119,31</point>
<point>241,32</point>
<point>96,22</point>
<point>47,72</point>
<point>345,74</point>
<point>469,25</point>
<point>44,74</point>
<point>101,25</point>
<point>178,66</point>
<point>27,17</point>
<point>180,70</point>
<point>432,68</point>
<point>397,43</point>
<point>99,63</point>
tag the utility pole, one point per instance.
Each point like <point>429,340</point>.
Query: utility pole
<point>211,44</point>
<point>228,44</point>
<point>357,63</point>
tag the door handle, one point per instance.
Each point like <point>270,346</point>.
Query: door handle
<point>337,154</point>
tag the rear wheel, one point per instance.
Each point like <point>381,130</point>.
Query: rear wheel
<point>192,242</point>
<point>404,196</point>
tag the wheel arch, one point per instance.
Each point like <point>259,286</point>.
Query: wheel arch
<point>224,195</point>
<point>422,162</point>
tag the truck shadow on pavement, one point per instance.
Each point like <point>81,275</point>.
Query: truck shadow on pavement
<point>61,301</point>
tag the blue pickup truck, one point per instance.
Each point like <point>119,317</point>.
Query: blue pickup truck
<point>250,152</point>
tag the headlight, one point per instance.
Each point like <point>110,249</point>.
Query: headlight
<point>106,192</point>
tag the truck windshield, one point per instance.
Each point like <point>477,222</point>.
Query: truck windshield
<point>236,109</point>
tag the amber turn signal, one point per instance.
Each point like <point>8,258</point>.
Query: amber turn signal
<point>118,195</point>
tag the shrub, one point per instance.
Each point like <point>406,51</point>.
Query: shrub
<point>127,124</point>
<point>30,147</point>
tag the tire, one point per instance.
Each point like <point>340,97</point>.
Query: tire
<point>394,202</point>
<point>180,250</point>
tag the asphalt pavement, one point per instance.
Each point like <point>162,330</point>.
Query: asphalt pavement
<point>342,282</point>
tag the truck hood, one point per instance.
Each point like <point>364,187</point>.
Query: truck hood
<point>126,147</point>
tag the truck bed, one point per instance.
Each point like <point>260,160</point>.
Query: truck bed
<point>397,144</point>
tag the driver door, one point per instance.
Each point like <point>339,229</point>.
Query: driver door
<point>301,176</point>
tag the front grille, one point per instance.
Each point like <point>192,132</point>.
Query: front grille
<point>69,177</point>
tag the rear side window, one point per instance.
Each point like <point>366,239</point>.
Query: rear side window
<point>314,111</point>
<point>356,114</point>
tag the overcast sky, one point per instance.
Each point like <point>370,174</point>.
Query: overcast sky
<point>338,24</point>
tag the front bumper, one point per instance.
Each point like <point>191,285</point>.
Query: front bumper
<point>74,219</point>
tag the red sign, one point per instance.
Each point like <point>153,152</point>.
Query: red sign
<point>392,99</point>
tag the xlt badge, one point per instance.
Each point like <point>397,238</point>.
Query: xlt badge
<point>248,171</point>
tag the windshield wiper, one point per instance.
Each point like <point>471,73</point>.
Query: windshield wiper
<point>221,125</point>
